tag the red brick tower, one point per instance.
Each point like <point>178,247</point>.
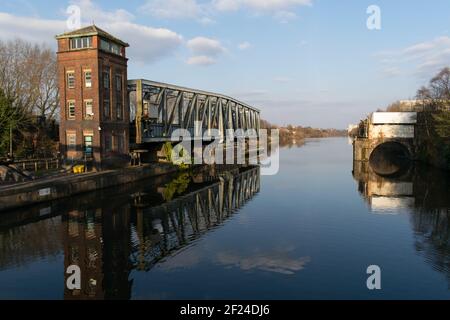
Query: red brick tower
<point>92,70</point>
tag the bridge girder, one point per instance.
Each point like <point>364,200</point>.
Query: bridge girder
<point>162,108</point>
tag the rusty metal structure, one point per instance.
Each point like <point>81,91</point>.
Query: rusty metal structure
<point>158,109</point>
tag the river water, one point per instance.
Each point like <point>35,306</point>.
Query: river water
<point>309,232</point>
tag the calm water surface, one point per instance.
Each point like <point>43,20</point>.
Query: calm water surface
<point>309,232</point>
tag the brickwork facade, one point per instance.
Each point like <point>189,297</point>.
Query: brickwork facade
<point>92,71</point>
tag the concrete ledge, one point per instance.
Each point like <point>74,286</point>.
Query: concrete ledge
<point>28,193</point>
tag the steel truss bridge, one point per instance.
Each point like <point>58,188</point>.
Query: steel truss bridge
<point>159,109</point>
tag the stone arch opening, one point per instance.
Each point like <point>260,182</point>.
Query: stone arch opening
<point>390,159</point>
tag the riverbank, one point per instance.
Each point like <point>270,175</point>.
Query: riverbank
<point>433,139</point>
<point>28,193</point>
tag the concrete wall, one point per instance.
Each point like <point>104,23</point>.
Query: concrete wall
<point>391,131</point>
<point>389,188</point>
<point>28,193</point>
<point>394,118</point>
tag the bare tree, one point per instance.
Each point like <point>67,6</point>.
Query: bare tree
<point>437,94</point>
<point>28,77</point>
<point>29,88</point>
<point>47,99</point>
<point>440,85</point>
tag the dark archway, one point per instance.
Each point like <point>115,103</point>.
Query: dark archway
<point>390,159</point>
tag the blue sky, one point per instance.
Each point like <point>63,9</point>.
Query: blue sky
<point>306,62</point>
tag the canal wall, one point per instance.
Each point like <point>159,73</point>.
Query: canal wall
<point>28,193</point>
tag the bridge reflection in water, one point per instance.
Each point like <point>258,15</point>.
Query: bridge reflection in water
<point>423,193</point>
<point>110,233</point>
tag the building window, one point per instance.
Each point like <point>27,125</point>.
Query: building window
<point>108,143</point>
<point>71,80</point>
<point>115,48</point>
<point>71,109</point>
<point>88,79</point>
<point>118,83</point>
<point>88,145</point>
<point>71,140</point>
<point>88,110</point>
<point>80,43</point>
<point>106,80</point>
<point>119,113</point>
<point>120,144</point>
<point>106,109</point>
<point>111,47</point>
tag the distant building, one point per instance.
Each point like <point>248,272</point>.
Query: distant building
<point>92,70</point>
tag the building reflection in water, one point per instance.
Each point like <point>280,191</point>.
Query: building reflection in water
<point>422,192</point>
<point>112,232</point>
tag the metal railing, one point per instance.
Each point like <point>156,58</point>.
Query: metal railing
<point>37,164</point>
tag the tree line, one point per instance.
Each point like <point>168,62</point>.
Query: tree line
<point>28,99</point>
<point>291,134</point>
<point>433,97</point>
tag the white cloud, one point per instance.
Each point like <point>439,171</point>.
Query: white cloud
<point>285,16</point>
<point>173,9</point>
<point>423,59</point>
<point>276,262</point>
<point>91,12</point>
<point>30,29</point>
<point>204,51</point>
<point>179,9</point>
<point>206,21</point>
<point>203,10</point>
<point>206,46</point>
<point>282,10</point>
<point>260,5</point>
<point>201,61</point>
<point>244,45</point>
<point>147,44</point>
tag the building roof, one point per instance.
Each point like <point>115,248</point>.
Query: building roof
<point>92,30</point>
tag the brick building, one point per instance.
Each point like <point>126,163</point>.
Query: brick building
<point>92,71</point>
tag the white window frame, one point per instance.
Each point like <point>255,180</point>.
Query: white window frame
<point>88,115</point>
<point>71,104</point>
<point>70,74</point>
<point>88,83</point>
<point>71,146</point>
